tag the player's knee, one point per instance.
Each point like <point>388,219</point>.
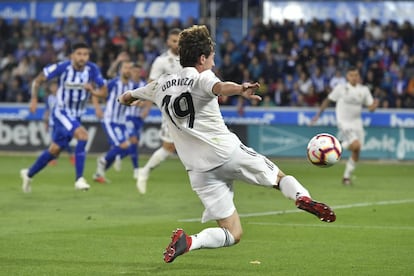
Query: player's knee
<point>81,134</point>
<point>280,175</point>
<point>124,145</point>
<point>54,149</point>
<point>237,235</point>
<point>169,147</point>
<point>133,140</point>
<point>356,145</point>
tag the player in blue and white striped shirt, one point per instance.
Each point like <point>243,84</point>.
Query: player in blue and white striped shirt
<point>135,118</point>
<point>48,118</point>
<point>114,122</point>
<point>77,78</point>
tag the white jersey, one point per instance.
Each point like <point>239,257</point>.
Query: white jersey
<point>349,102</point>
<point>167,63</point>
<point>202,140</point>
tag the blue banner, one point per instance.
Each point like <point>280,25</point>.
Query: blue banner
<point>252,116</point>
<point>278,132</point>
<point>19,10</point>
<point>49,11</point>
<point>339,11</point>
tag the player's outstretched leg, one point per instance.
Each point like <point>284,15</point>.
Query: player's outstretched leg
<point>321,210</point>
<point>142,179</point>
<point>180,244</point>
<point>99,175</point>
<point>26,186</point>
<point>291,188</point>
<point>118,163</point>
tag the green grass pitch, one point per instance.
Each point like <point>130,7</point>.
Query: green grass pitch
<point>113,230</point>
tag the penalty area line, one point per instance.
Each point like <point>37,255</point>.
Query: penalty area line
<point>347,206</point>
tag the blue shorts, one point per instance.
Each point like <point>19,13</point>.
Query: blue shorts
<point>134,126</point>
<point>116,133</point>
<point>64,127</point>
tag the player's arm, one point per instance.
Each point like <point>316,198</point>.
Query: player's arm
<point>100,92</point>
<point>136,96</point>
<point>46,117</point>
<point>322,108</point>
<point>246,90</point>
<point>373,106</point>
<point>145,109</point>
<point>371,102</point>
<point>97,106</point>
<point>112,70</point>
<point>34,90</point>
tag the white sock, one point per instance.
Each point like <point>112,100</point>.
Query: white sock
<point>212,238</point>
<point>291,188</point>
<point>349,168</point>
<point>156,158</point>
<point>100,168</point>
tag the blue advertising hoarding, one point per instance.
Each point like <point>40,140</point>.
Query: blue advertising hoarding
<point>279,132</point>
<point>49,11</point>
<point>393,118</point>
<point>339,11</point>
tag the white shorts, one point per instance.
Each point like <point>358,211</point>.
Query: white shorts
<point>215,187</point>
<point>165,133</point>
<point>348,135</point>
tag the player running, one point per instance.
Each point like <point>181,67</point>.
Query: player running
<point>350,97</point>
<point>78,78</point>
<point>167,63</point>
<point>48,118</point>
<point>114,122</point>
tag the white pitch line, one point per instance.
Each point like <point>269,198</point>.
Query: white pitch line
<point>348,206</point>
<point>334,226</point>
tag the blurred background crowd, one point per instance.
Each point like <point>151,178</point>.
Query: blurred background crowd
<point>297,64</point>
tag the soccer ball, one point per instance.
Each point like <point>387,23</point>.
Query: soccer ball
<point>324,150</point>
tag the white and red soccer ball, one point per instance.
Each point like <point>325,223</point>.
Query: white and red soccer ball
<point>324,150</point>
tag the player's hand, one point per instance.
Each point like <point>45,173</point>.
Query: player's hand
<point>33,105</point>
<point>376,102</point>
<point>89,87</point>
<point>122,56</point>
<point>314,120</point>
<point>374,105</point>
<point>127,99</point>
<point>249,90</point>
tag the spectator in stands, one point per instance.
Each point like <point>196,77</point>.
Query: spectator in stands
<point>304,82</point>
<point>3,91</point>
<point>318,43</point>
<point>319,81</point>
<point>15,91</point>
<point>399,89</point>
<point>338,78</point>
<point>280,94</point>
<point>225,39</point>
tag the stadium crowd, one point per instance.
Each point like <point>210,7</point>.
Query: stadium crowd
<point>297,63</point>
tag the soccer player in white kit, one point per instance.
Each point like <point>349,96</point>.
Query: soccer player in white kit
<point>167,63</point>
<point>213,156</point>
<point>350,98</point>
